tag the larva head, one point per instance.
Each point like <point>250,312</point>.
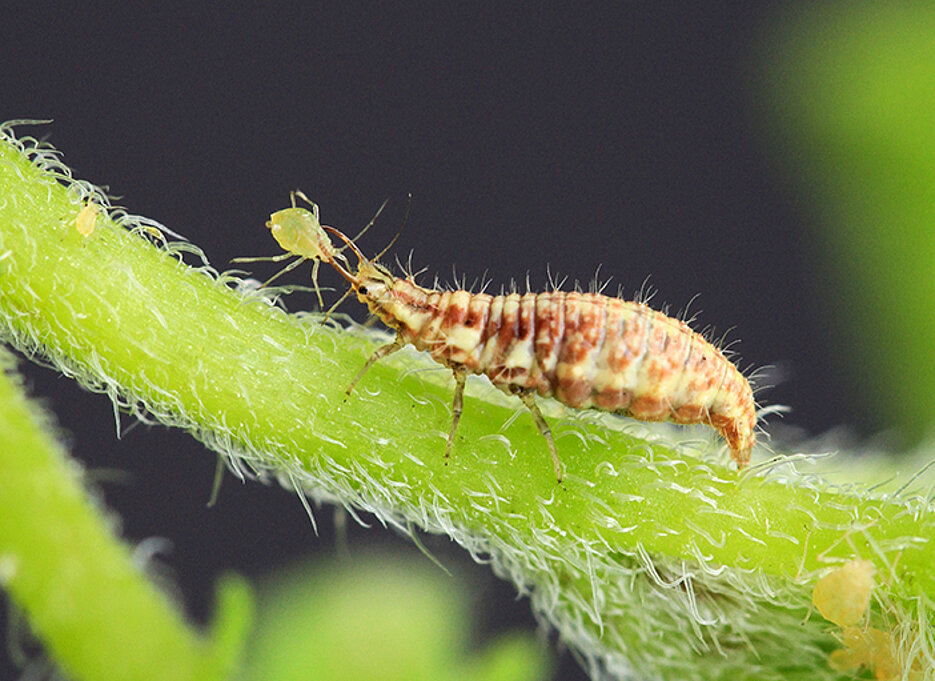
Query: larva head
<point>298,231</point>
<point>374,283</point>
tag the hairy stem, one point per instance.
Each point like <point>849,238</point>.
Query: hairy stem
<point>81,590</point>
<point>642,558</point>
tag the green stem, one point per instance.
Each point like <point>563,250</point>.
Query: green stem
<point>98,614</point>
<point>642,558</point>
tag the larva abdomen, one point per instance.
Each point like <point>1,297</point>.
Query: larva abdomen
<point>584,349</point>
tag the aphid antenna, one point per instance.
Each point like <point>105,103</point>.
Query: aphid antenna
<point>528,285</point>
<point>370,224</point>
<point>398,232</point>
<point>301,195</point>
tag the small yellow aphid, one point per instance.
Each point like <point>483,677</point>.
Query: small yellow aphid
<point>873,649</point>
<point>87,218</point>
<point>843,595</point>
<point>301,235</point>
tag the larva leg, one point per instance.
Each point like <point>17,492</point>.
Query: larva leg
<point>529,400</point>
<point>382,352</point>
<point>456,407</point>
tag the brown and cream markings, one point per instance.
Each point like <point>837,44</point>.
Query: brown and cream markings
<point>586,350</point>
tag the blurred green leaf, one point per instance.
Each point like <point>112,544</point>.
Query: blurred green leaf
<point>852,89</point>
<point>381,618</point>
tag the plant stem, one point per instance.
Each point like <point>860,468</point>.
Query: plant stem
<point>642,558</point>
<point>94,608</point>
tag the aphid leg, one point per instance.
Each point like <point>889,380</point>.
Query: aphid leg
<point>288,268</point>
<point>456,407</point>
<point>265,258</point>
<point>382,352</point>
<point>321,303</point>
<point>335,306</point>
<point>529,399</point>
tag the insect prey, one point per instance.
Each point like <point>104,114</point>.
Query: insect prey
<point>300,234</point>
<point>586,350</point>
<point>87,218</point>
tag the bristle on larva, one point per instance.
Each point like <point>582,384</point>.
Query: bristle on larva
<point>587,350</point>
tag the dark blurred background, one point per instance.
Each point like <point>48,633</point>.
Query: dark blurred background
<point>635,138</point>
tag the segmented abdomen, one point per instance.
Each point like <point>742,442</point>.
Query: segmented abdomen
<point>586,350</point>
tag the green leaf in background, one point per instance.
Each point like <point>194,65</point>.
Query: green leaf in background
<point>651,558</point>
<point>94,608</point>
<point>852,89</point>
<point>379,617</point>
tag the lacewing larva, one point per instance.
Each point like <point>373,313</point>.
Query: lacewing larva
<point>87,218</point>
<point>586,350</point>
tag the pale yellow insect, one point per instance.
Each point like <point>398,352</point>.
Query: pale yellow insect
<point>300,234</point>
<point>874,649</point>
<point>87,218</point>
<point>843,595</point>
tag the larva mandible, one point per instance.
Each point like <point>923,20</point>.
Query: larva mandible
<point>586,350</point>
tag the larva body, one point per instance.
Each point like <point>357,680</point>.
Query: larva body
<point>586,350</point>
